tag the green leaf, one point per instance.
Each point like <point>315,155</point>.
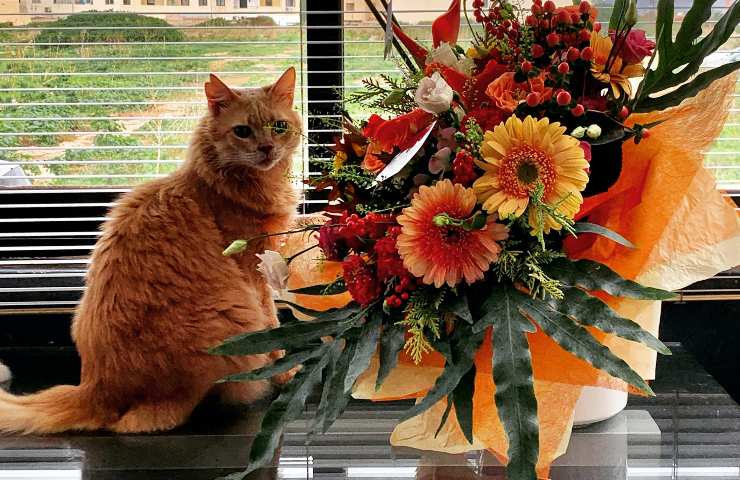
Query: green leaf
<point>392,340</point>
<point>288,337</point>
<point>332,288</point>
<point>585,227</point>
<point>445,416</point>
<point>690,89</point>
<point>332,313</point>
<point>512,374</point>
<point>681,59</point>
<point>367,343</point>
<point>333,397</point>
<point>464,344</point>
<point>591,275</point>
<point>237,246</point>
<point>462,398</point>
<point>287,407</point>
<point>279,366</point>
<point>459,307</point>
<point>590,311</point>
<point>618,12</point>
<point>578,341</point>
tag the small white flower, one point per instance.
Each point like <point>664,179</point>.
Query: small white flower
<point>578,132</point>
<point>593,131</point>
<point>445,55</point>
<point>440,161</point>
<point>434,95</point>
<point>274,268</point>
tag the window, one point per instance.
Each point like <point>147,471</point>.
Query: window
<point>243,3</point>
<point>267,3</point>
<point>203,3</point>
<point>350,6</point>
<point>150,2</point>
<point>290,3</point>
<point>184,3</point>
<point>220,3</point>
<point>127,2</point>
<point>109,2</point>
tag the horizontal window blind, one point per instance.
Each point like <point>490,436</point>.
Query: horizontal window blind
<point>92,103</point>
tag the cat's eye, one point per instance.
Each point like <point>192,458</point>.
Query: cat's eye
<point>279,127</point>
<point>242,131</point>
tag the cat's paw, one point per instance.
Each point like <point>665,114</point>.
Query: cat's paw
<point>5,374</point>
<point>283,378</point>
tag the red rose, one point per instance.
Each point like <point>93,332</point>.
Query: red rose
<point>360,280</point>
<point>635,47</point>
<point>331,241</point>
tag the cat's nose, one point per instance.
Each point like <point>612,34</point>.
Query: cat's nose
<point>265,148</point>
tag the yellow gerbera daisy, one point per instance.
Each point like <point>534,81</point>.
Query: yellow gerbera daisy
<point>619,73</point>
<point>520,155</point>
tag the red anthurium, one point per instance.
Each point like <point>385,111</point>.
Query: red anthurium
<point>402,131</point>
<point>447,26</point>
<point>417,51</point>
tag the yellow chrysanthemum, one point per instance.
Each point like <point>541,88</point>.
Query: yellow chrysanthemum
<point>520,155</point>
<point>619,73</point>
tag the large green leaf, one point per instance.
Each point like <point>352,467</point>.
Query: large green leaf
<point>462,399</point>
<point>291,336</point>
<point>279,366</point>
<point>680,59</point>
<point>592,275</point>
<point>585,227</point>
<point>463,345</point>
<point>578,341</point>
<point>332,288</point>
<point>591,311</point>
<point>512,374</point>
<point>392,340</point>
<point>287,407</point>
<point>367,344</point>
<point>618,12</point>
<point>459,307</point>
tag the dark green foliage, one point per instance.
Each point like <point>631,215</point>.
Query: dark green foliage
<point>79,21</point>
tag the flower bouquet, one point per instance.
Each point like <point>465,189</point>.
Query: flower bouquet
<point>484,229</point>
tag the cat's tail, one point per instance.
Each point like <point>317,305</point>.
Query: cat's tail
<point>58,409</point>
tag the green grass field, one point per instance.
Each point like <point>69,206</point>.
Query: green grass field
<point>52,97</point>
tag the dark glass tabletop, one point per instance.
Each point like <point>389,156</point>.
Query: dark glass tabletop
<point>690,430</point>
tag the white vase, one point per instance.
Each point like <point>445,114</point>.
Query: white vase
<point>597,404</point>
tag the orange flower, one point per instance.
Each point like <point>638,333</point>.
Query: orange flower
<point>507,93</point>
<point>575,9</point>
<point>619,73</point>
<point>372,163</point>
<point>446,254</point>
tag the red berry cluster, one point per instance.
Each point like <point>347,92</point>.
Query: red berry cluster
<point>402,291</point>
<point>500,23</point>
<point>374,263</point>
<point>463,168</point>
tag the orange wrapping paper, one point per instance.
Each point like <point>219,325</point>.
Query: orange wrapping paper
<point>666,203</point>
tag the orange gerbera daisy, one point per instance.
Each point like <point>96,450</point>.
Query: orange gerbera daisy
<point>446,254</point>
<point>619,72</point>
<point>518,156</point>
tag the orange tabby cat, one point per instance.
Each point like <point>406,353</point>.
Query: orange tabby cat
<point>159,291</point>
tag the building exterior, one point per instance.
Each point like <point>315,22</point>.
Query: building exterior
<point>171,10</point>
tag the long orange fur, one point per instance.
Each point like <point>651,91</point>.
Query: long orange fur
<point>160,292</point>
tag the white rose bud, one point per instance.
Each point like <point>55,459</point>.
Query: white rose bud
<point>274,268</point>
<point>434,95</point>
<point>578,132</point>
<point>444,55</point>
<point>593,131</point>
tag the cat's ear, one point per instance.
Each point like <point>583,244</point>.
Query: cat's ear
<point>218,94</point>
<point>283,90</point>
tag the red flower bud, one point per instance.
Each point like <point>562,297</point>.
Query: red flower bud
<point>646,133</point>
<point>563,68</point>
<point>563,17</point>
<point>536,9</point>
<point>550,6</point>
<point>552,38</point>
<point>537,50</point>
<point>587,54</point>
<point>624,112</point>
<point>563,98</point>
<point>533,99</point>
<point>578,110</point>
<point>573,54</point>
<point>597,27</point>
<point>526,66</point>
<point>584,7</point>
<point>584,35</point>
<point>544,24</point>
<point>574,18</point>
<point>531,21</point>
